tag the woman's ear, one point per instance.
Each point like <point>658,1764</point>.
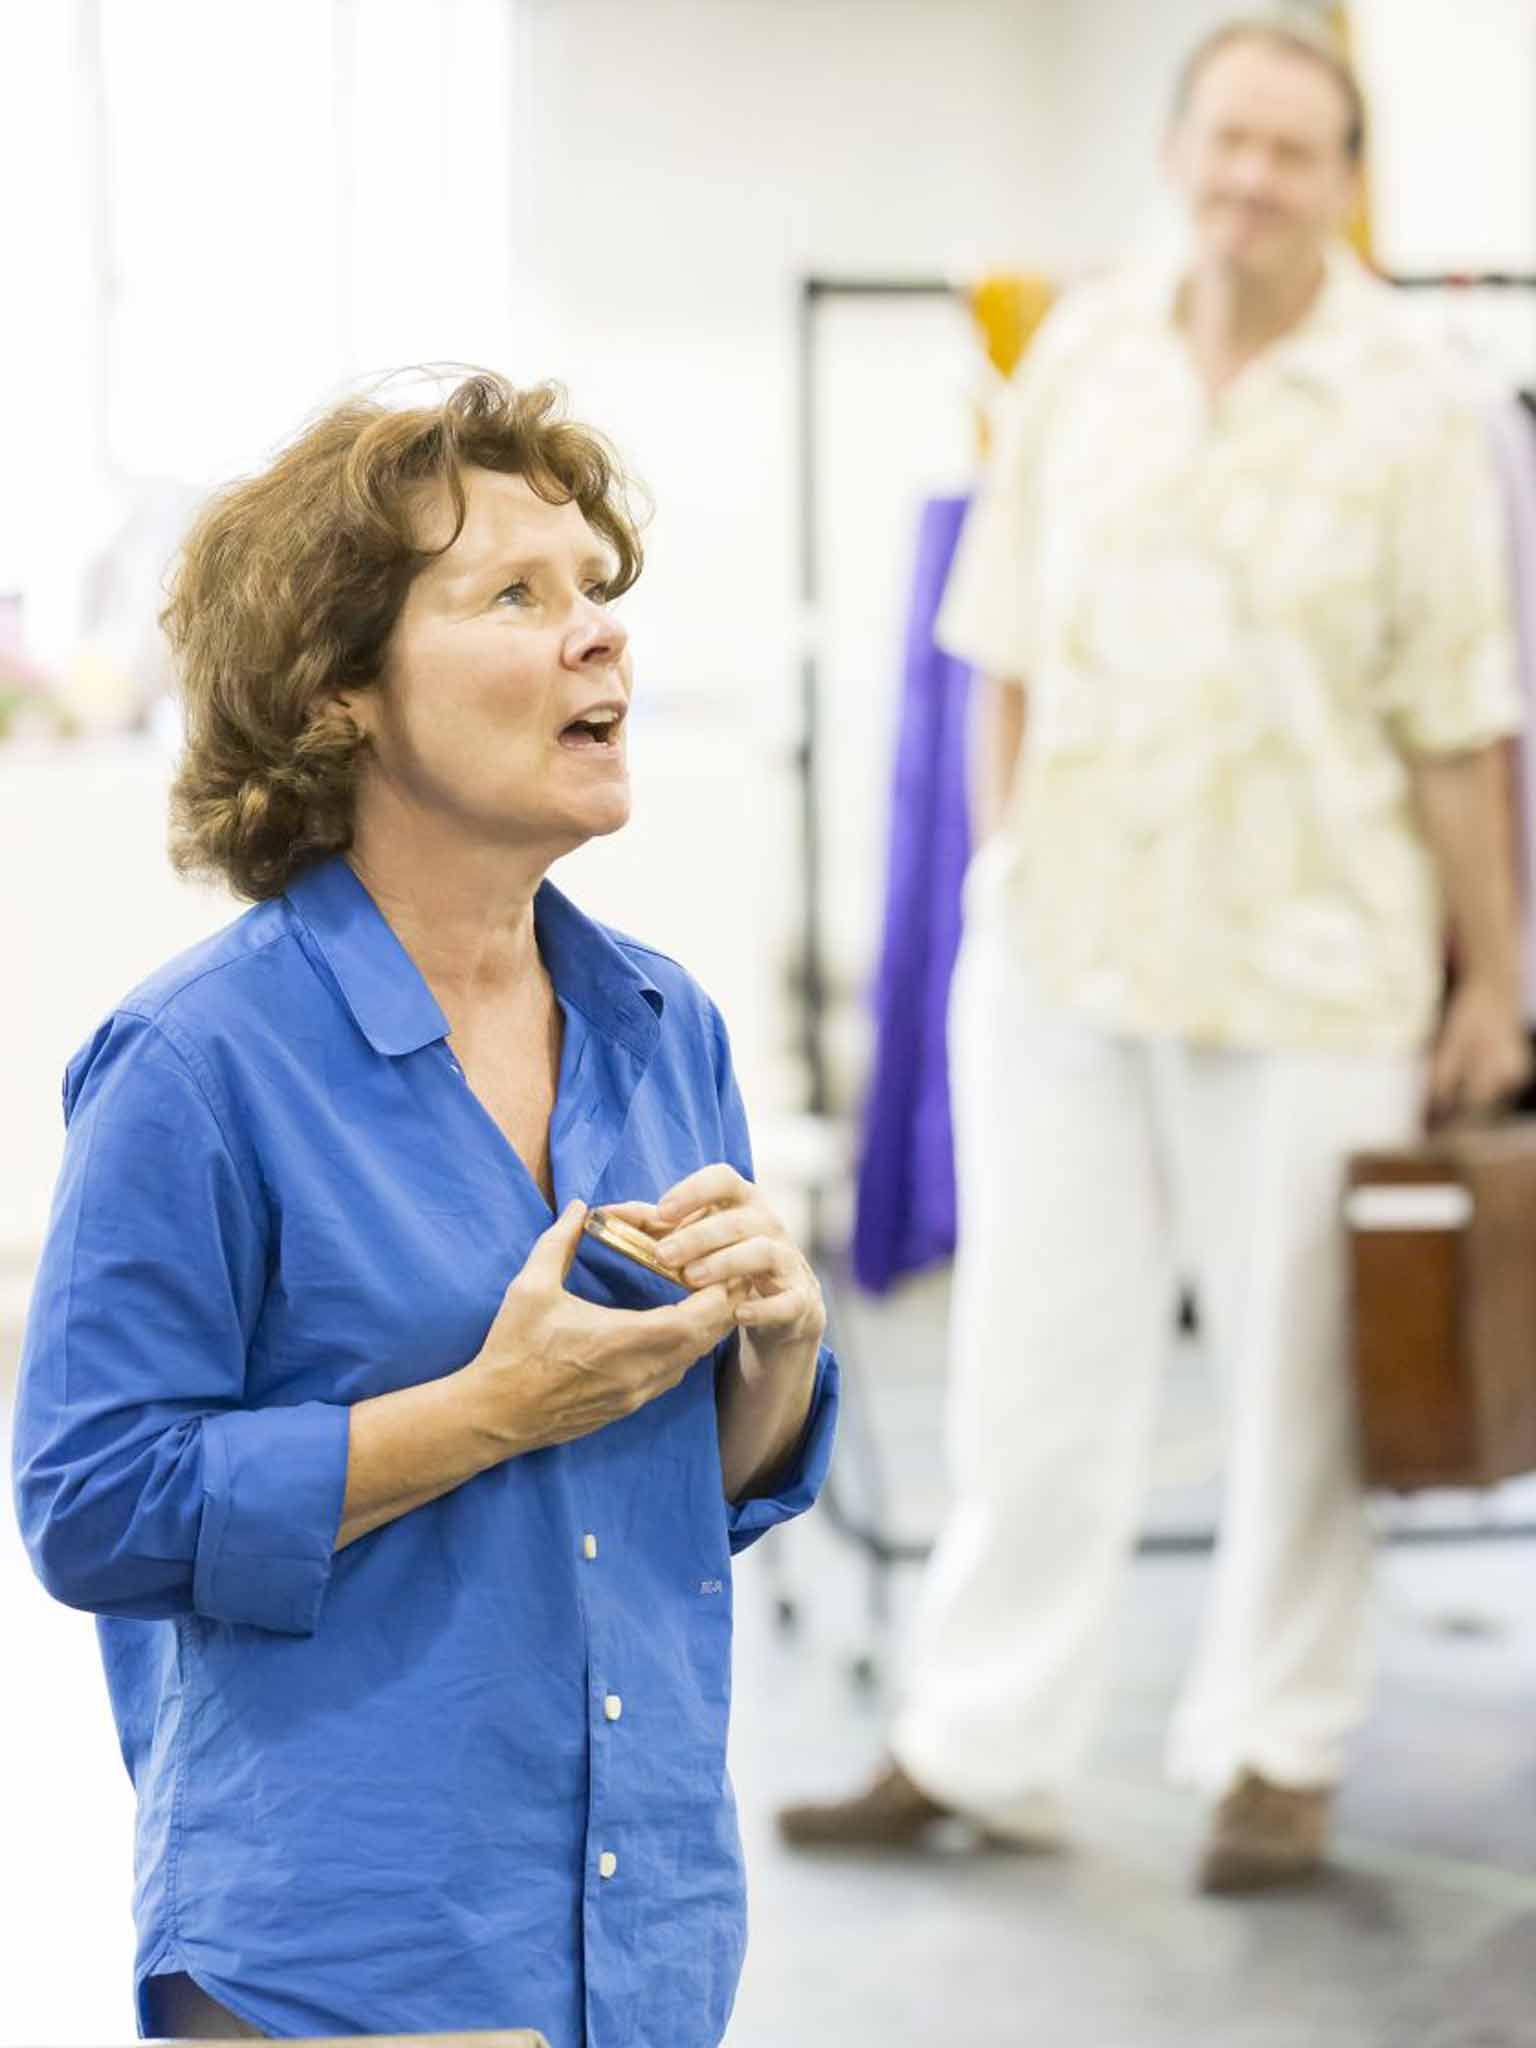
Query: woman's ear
<point>352,704</point>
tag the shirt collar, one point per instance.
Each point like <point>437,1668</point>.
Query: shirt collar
<point>397,1013</point>
<point>1326,343</point>
<point>594,972</point>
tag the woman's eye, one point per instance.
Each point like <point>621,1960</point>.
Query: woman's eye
<point>520,593</point>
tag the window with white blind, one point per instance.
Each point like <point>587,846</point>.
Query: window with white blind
<point>232,213</point>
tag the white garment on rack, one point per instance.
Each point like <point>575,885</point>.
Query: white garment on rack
<point>1084,1161</point>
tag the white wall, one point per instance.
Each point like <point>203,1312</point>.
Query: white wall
<point>80,926</point>
<point>1453,161</point>
<point>1115,66</point>
<point>1454,132</point>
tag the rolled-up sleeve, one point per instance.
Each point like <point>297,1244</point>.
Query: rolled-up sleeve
<point>798,1482</point>
<point>796,1487</point>
<point>144,1487</point>
<point>1449,684</point>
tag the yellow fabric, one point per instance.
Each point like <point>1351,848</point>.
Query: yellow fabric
<point>1357,229</point>
<point>1008,307</point>
<point>1233,621</point>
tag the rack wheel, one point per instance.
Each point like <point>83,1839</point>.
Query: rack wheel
<point>865,1672</point>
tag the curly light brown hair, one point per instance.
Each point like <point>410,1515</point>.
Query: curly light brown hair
<point>289,585</point>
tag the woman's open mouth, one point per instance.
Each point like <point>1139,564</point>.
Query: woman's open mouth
<point>597,729</point>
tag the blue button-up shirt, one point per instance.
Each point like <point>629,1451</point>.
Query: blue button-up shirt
<point>470,1771</point>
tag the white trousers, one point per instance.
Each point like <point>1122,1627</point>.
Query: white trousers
<point>1092,1171</point>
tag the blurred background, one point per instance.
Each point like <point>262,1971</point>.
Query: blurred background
<point>219,216</point>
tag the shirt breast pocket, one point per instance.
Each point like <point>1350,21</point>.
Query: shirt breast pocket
<point>378,1290</point>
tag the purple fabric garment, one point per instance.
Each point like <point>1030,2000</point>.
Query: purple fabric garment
<point>905,1215</point>
<point>1514,442</point>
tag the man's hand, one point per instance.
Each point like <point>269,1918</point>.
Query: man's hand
<point>1463,803</point>
<point>1482,1055</point>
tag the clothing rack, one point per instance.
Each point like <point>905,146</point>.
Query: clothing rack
<point>816,292</point>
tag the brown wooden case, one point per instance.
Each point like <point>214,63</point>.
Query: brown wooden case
<point>1442,1246</point>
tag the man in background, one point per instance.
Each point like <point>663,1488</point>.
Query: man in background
<point>1235,586</point>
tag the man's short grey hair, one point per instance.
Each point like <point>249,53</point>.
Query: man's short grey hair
<point>1293,37</point>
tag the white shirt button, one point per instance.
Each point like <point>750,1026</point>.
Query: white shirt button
<point>589,1546</point>
<point>613,1706</point>
<point>607,1863</point>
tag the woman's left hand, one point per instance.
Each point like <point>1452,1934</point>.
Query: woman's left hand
<point>715,1226</point>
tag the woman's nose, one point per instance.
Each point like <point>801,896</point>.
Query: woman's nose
<point>596,641</point>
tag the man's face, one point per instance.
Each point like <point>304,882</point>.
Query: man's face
<point>1260,157</point>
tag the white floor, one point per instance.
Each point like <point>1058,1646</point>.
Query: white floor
<point>1425,1934</point>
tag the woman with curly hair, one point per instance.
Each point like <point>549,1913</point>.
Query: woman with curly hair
<point>406,1505</point>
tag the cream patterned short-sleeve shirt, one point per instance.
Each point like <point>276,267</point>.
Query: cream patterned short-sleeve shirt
<point>1234,623</point>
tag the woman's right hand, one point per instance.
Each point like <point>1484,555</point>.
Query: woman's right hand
<point>554,1367</point>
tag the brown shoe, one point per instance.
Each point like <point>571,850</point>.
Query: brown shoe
<point>895,1813</point>
<point>1264,1835</point>
<point>891,1813</point>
